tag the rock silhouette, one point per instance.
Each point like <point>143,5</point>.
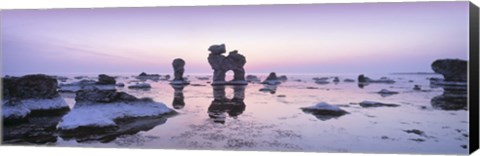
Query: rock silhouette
<point>453,70</point>
<point>221,64</point>
<point>106,80</point>
<point>30,96</point>
<point>178,65</point>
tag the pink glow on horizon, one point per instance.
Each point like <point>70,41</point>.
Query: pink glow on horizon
<point>377,37</point>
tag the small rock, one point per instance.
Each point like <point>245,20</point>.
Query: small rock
<point>348,80</point>
<point>376,104</point>
<point>272,79</point>
<point>385,92</point>
<point>140,86</point>
<point>417,87</point>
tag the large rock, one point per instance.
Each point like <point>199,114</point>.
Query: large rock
<point>454,70</point>
<point>30,87</point>
<point>108,112</point>
<point>30,95</point>
<point>106,80</point>
<point>103,96</point>
<point>221,64</point>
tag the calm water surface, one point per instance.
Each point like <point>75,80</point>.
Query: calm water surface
<point>275,122</point>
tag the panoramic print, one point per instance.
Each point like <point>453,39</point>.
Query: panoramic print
<point>365,77</point>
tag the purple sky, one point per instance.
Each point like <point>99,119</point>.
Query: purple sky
<point>322,38</point>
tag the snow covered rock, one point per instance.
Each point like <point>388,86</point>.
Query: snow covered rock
<point>324,111</point>
<point>102,111</point>
<point>30,95</point>
<point>376,104</point>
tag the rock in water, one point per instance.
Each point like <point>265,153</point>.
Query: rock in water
<point>30,86</point>
<point>283,78</point>
<point>144,76</point>
<point>140,86</point>
<point>100,113</point>
<point>324,111</point>
<point>417,87</point>
<point>31,95</point>
<point>102,96</point>
<point>106,80</point>
<point>178,69</point>
<point>336,80</point>
<point>376,104</point>
<point>253,79</point>
<point>362,79</point>
<point>453,70</point>
<point>272,79</point>
<point>385,92</point>
<point>221,64</point>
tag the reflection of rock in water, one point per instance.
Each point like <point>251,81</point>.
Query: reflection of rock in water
<point>124,127</point>
<point>272,89</point>
<point>178,98</point>
<point>221,104</point>
<point>38,130</point>
<point>452,99</point>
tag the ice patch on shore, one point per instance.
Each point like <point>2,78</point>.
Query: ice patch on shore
<point>103,115</point>
<point>22,108</point>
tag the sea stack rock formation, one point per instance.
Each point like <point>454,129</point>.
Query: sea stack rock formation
<point>453,70</point>
<point>221,64</point>
<point>178,69</point>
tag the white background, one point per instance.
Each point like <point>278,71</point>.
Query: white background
<point>69,151</point>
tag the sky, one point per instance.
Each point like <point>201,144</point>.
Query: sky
<point>318,38</point>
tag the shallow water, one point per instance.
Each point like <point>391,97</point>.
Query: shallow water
<point>266,121</point>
